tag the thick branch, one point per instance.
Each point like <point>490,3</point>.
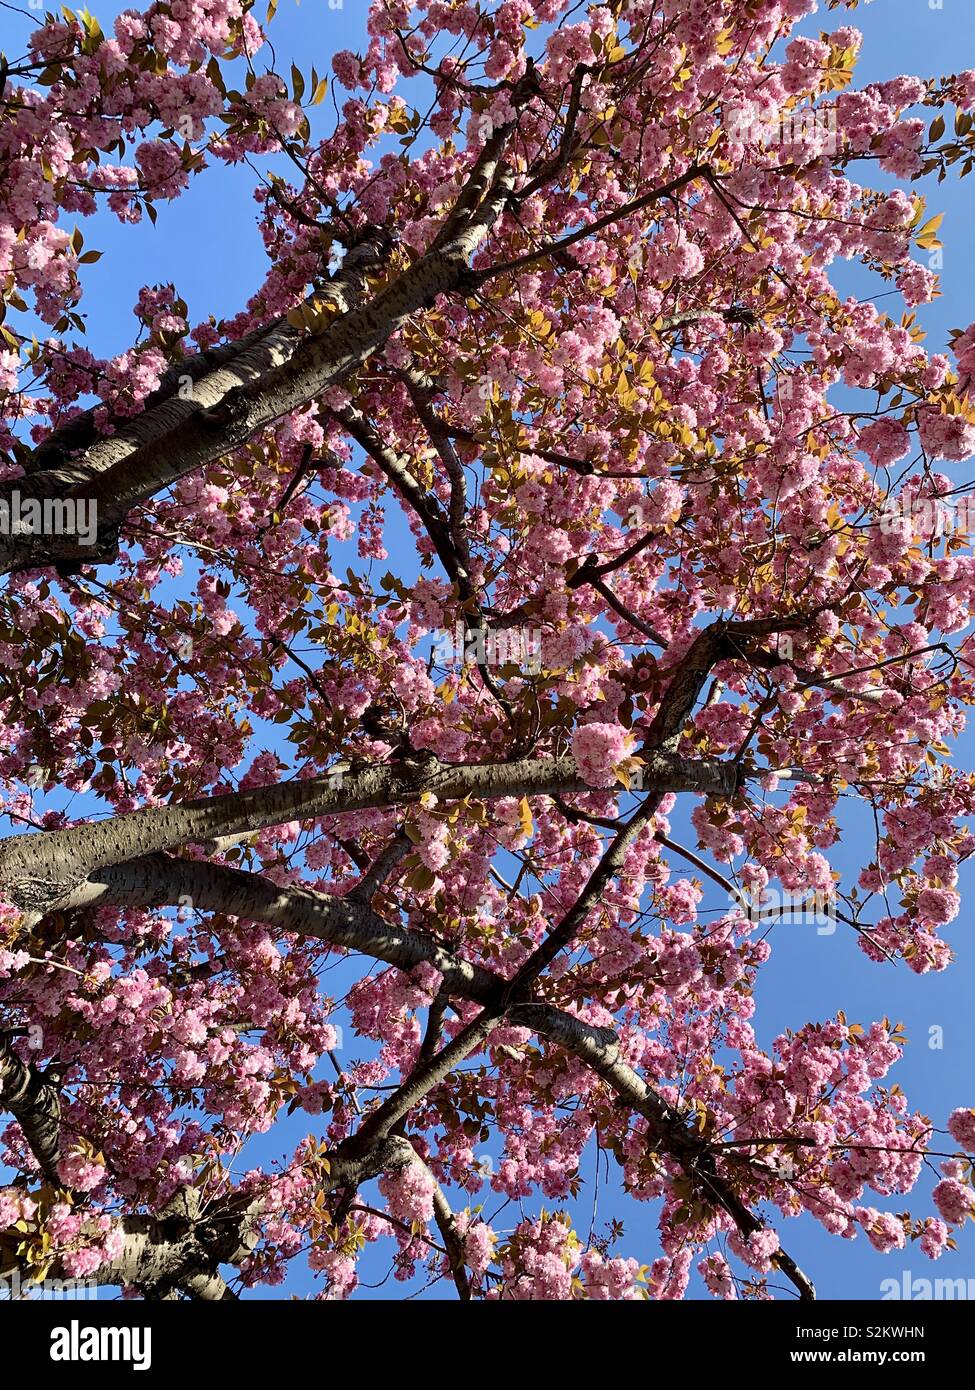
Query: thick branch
<point>183,1247</point>
<point>271,375</point>
<point>35,1103</point>
<point>355,926</point>
<point>38,869</point>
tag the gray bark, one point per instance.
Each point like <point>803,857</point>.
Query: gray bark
<point>39,869</point>
<point>183,1247</point>
<point>154,1260</point>
<point>161,881</point>
<point>34,1101</point>
<point>158,880</point>
<point>258,381</point>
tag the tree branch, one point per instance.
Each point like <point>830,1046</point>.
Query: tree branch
<point>355,926</point>
<point>39,869</point>
<point>260,380</point>
<point>35,1103</point>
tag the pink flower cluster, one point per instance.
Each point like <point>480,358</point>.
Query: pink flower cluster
<point>598,749</point>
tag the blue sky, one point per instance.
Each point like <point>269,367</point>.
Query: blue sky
<point>207,243</point>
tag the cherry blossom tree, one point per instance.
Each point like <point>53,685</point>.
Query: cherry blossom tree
<point>551,295</point>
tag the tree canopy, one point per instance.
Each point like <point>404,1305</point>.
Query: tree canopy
<point>391,671</point>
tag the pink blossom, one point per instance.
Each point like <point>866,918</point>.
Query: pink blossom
<point>954,1201</point>
<point>961,1127</point>
<point>598,749</point>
